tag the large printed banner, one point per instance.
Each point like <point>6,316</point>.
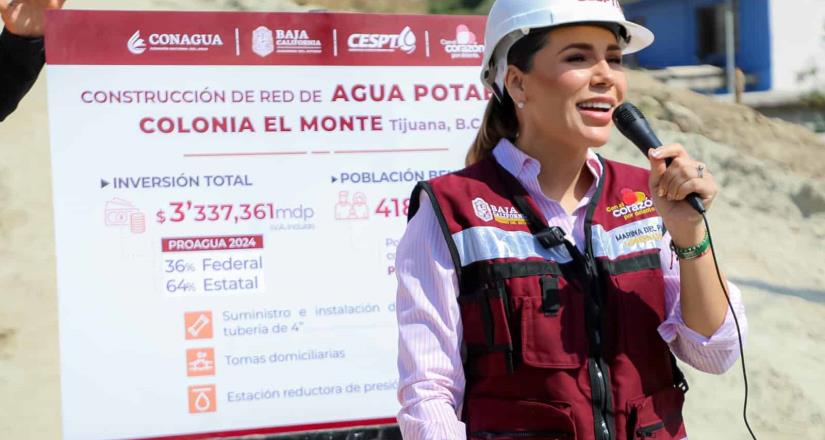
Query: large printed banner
<point>229,192</point>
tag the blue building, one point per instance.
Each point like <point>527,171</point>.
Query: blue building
<point>780,44</point>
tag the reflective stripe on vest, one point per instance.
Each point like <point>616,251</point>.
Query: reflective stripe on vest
<point>481,243</point>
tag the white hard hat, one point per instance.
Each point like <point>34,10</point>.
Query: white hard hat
<point>511,20</point>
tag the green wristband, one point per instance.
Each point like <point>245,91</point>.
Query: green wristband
<point>692,252</point>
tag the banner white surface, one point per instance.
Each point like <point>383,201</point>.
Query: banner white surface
<point>227,214</point>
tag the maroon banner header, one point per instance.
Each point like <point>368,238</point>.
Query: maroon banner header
<point>243,38</point>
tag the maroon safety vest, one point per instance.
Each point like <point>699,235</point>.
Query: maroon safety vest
<point>559,344</point>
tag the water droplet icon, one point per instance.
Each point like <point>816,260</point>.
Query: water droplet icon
<point>202,403</point>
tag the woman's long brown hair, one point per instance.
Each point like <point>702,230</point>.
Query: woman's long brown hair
<point>500,120</point>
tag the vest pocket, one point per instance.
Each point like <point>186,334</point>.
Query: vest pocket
<point>643,310</point>
<point>484,318</point>
<point>555,337</point>
<point>502,419</point>
<point>658,416</point>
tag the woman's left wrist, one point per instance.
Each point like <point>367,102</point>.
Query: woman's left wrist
<point>692,252</point>
<point>689,238</point>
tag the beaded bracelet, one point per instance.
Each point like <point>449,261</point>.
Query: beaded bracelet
<point>692,252</point>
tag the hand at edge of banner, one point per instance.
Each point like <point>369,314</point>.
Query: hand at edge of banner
<point>25,18</point>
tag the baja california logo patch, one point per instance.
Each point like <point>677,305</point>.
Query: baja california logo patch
<point>482,209</point>
<point>505,215</point>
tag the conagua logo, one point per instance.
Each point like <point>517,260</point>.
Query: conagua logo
<point>136,44</point>
<point>634,204</point>
<point>506,215</point>
<point>405,42</point>
<point>465,45</point>
<point>173,42</point>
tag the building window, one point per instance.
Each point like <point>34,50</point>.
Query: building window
<point>710,27</point>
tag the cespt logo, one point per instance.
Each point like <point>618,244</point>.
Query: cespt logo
<point>465,44</point>
<point>634,204</point>
<point>404,41</point>
<point>506,215</point>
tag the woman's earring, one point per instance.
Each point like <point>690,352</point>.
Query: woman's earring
<point>520,104</point>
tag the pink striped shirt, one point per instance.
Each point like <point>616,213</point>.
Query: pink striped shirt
<point>431,384</point>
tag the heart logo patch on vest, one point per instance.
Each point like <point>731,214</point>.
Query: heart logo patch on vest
<point>634,204</point>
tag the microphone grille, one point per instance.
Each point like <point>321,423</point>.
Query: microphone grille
<point>626,113</point>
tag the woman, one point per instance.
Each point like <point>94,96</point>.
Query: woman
<point>538,293</point>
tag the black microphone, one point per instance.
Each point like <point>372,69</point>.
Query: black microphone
<point>633,125</point>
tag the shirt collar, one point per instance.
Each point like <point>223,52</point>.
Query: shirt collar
<point>524,167</point>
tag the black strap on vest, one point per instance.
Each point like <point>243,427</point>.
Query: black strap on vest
<point>550,298</point>
<point>549,237</point>
<point>415,202</point>
<point>679,380</point>
<point>486,273</point>
<point>634,264</point>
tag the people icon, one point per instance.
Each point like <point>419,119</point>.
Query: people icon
<point>355,209</point>
<point>359,206</point>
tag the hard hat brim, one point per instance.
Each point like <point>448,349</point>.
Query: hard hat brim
<point>638,38</point>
